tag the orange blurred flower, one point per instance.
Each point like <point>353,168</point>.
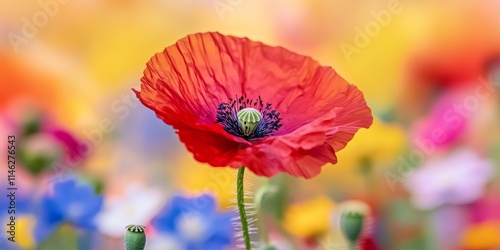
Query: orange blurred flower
<point>482,236</point>
<point>20,80</point>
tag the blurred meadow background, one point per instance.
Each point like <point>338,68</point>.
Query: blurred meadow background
<point>91,159</point>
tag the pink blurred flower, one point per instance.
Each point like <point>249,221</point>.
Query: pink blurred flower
<point>456,117</point>
<point>42,143</point>
<point>457,179</point>
<point>444,125</point>
<point>487,208</point>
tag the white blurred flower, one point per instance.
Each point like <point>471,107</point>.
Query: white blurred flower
<point>136,206</point>
<point>163,242</point>
<point>457,179</point>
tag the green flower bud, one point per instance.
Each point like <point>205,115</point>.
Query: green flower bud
<point>135,238</point>
<point>351,225</point>
<point>270,247</point>
<point>354,220</point>
<point>263,192</point>
<point>495,73</point>
<point>39,152</point>
<point>31,124</point>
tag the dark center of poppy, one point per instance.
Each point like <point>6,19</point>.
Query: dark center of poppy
<point>248,118</point>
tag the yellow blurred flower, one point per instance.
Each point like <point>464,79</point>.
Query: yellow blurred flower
<point>376,148</point>
<point>309,219</point>
<point>24,230</point>
<point>381,144</point>
<point>376,62</point>
<point>482,236</point>
<point>115,44</point>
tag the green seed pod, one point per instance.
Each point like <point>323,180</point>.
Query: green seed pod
<point>270,247</point>
<point>31,124</point>
<point>351,225</point>
<point>38,152</point>
<point>495,73</point>
<point>354,220</point>
<point>249,119</point>
<point>135,238</point>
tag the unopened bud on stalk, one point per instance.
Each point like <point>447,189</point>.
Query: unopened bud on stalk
<point>39,152</point>
<point>135,238</point>
<point>495,73</point>
<point>351,224</point>
<point>269,247</point>
<point>31,124</point>
<point>354,220</point>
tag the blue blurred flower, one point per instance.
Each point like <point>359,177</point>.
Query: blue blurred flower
<point>71,202</point>
<point>194,224</point>
<point>150,135</point>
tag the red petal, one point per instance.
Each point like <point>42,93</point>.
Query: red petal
<point>212,147</point>
<point>304,151</point>
<point>187,81</point>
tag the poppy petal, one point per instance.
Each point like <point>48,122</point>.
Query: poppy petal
<point>304,151</point>
<point>186,82</point>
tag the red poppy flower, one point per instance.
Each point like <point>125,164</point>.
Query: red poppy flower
<point>235,102</point>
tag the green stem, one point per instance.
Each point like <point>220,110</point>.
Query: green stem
<point>354,246</point>
<point>430,232</point>
<point>240,192</point>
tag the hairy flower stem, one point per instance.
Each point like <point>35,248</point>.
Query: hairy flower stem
<point>241,206</point>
